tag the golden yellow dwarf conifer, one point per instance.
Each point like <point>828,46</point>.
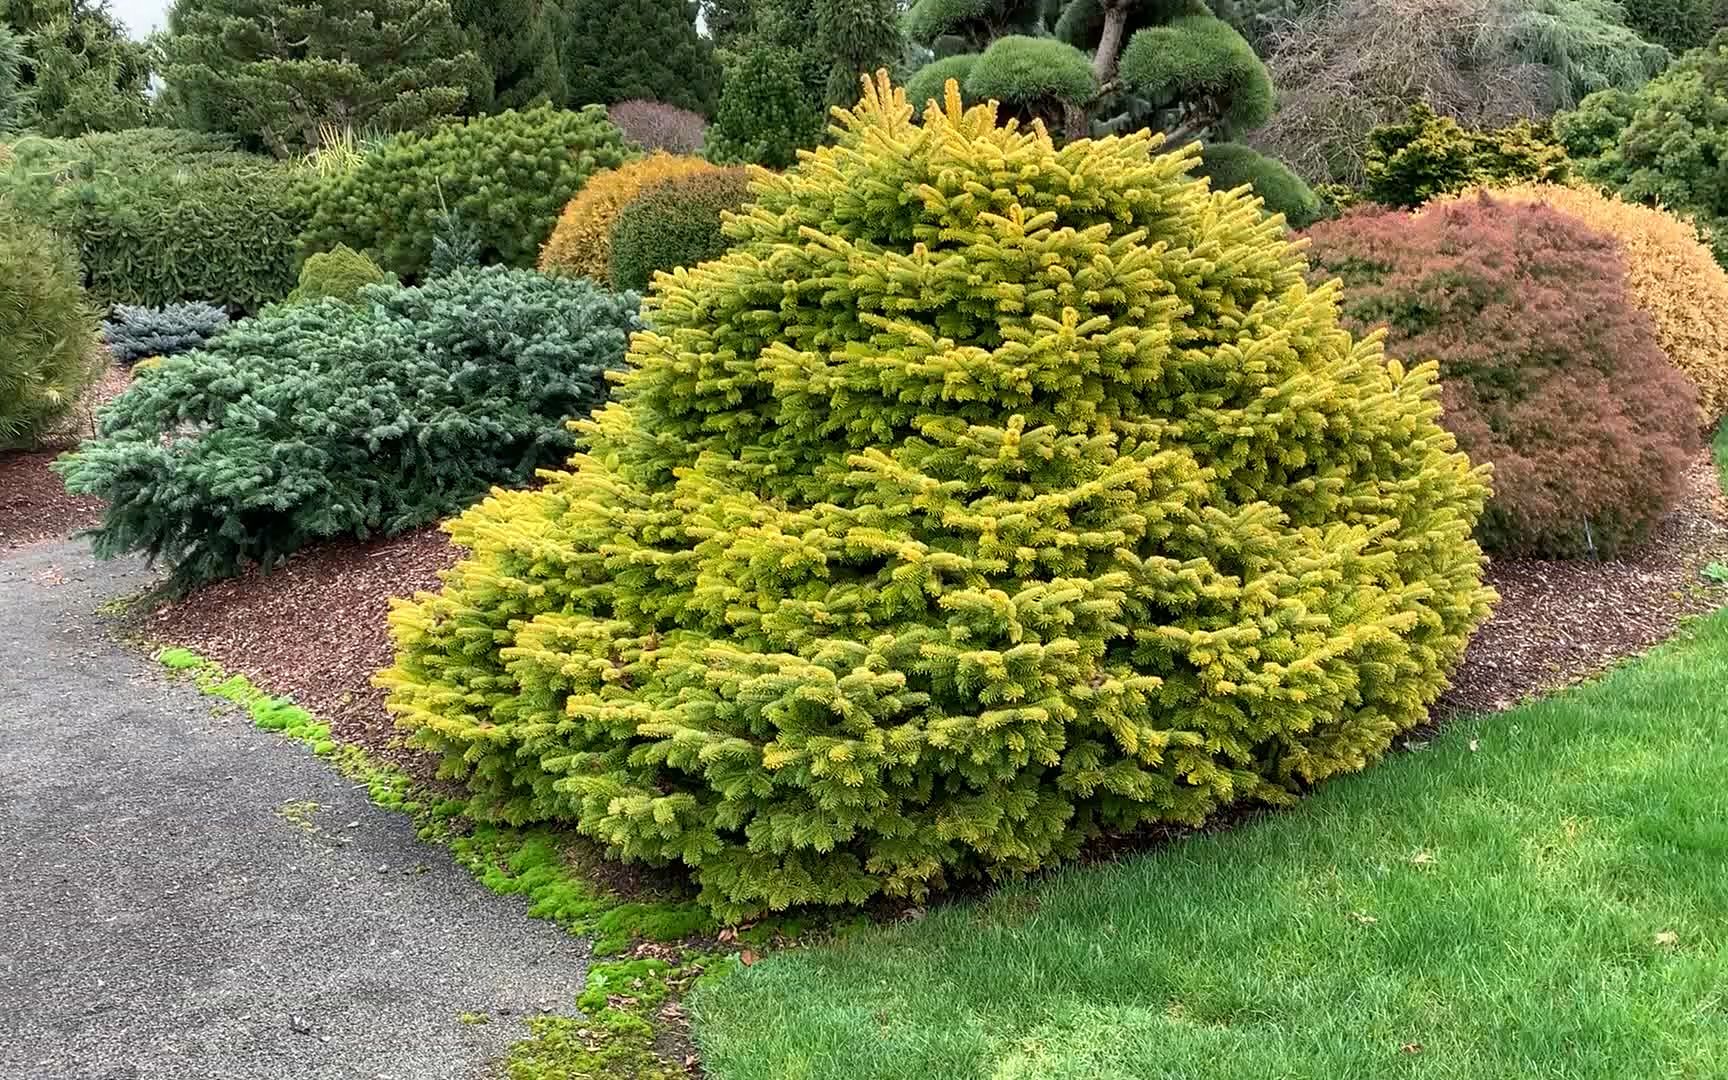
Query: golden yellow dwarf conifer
<point>1672,277</point>
<point>581,244</point>
<point>987,495</point>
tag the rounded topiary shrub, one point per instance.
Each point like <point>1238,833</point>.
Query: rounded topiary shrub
<point>1549,370</point>
<point>1672,276</point>
<point>581,243</point>
<point>955,515</point>
<point>1230,165</point>
<point>338,274</point>
<point>676,222</point>
<point>48,353</point>
<point>504,177</point>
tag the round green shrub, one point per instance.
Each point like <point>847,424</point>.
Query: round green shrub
<point>1549,371</point>
<point>48,353</point>
<point>674,223</point>
<point>505,177</point>
<point>931,81</point>
<point>161,217</point>
<point>1202,57</point>
<point>339,274</point>
<point>327,419</point>
<point>1018,70</point>
<point>1230,165</point>
<point>948,520</point>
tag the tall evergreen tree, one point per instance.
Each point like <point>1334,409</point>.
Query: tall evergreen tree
<point>615,50</point>
<point>787,59</point>
<point>274,71</point>
<point>81,71</point>
<point>14,95</point>
<point>518,42</point>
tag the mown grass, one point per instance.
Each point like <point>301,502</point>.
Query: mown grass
<point>1540,893</point>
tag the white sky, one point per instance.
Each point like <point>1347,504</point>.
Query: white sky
<point>141,16</point>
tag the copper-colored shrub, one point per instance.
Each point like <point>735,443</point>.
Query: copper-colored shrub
<point>1672,275</point>
<point>1548,368</point>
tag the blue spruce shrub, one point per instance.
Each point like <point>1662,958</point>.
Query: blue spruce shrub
<point>326,419</point>
<point>133,333</point>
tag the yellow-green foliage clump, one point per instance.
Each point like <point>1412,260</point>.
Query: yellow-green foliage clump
<point>581,243</point>
<point>986,495</point>
<point>1671,274</point>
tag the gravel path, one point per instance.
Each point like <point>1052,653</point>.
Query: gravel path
<point>184,896</point>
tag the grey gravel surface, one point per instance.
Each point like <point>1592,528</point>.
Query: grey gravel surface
<point>183,896</point>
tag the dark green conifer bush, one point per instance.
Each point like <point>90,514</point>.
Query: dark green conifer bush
<point>676,222</point>
<point>323,420</point>
<point>961,511</point>
<point>337,274</point>
<point>506,177</point>
<point>136,333</point>
<point>766,115</point>
<point>1428,155</point>
<point>159,217</point>
<point>48,353</point>
<point>1230,165</point>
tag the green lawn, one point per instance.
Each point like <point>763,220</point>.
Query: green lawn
<point>1542,893</point>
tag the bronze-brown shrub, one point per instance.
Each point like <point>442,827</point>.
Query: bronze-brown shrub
<point>1673,278</point>
<point>1548,368</point>
<point>581,243</point>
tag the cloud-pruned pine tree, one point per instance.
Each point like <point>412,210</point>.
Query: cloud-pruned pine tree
<point>274,72</point>
<point>1101,65</point>
<point>961,511</point>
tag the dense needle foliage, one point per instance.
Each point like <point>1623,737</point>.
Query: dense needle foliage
<point>325,420</point>
<point>505,177</point>
<point>1550,372</point>
<point>137,333</point>
<point>957,513</point>
<point>48,353</point>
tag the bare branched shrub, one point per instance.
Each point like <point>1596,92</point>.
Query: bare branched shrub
<point>1344,67</point>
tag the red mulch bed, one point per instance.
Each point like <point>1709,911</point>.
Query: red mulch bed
<point>315,627</point>
<point>34,505</point>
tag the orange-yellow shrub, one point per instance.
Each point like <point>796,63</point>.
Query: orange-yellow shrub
<point>1671,275</point>
<point>581,243</point>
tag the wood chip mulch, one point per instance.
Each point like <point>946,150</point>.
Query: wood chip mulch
<point>34,505</point>
<point>1560,622</point>
<point>314,628</point>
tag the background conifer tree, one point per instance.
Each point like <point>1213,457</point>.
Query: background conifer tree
<point>273,72</point>
<point>518,42</point>
<point>81,71</point>
<point>616,50</point>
